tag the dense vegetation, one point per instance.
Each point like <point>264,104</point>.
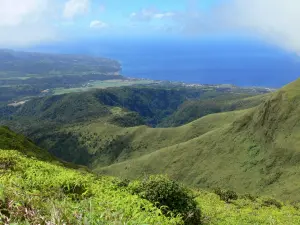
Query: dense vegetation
<point>193,109</point>
<point>37,190</point>
<point>99,128</point>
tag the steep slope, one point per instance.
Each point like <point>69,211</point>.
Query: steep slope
<point>35,191</point>
<point>104,144</point>
<point>259,152</point>
<point>194,109</point>
<point>11,140</point>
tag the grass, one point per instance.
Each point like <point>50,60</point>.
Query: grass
<point>105,143</point>
<point>35,192</point>
<point>194,109</point>
<point>36,188</point>
<point>38,192</point>
<point>244,211</point>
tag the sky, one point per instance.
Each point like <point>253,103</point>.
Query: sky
<point>30,22</point>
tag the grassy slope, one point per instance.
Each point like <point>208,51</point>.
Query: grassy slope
<point>90,128</point>
<point>34,191</point>
<point>258,153</point>
<point>193,109</point>
<point>105,144</point>
<point>37,192</point>
<point>11,140</point>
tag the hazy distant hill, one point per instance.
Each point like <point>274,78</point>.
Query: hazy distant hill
<point>31,64</point>
<point>24,75</point>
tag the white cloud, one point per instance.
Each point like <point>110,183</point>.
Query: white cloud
<point>97,24</point>
<point>12,13</point>
<point>75,7</point>
<point>26,22</point>
<point>275,20</point>
<point>148,14</point>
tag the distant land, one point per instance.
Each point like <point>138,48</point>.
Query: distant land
<point>242,62</point>
<point>24,75</point>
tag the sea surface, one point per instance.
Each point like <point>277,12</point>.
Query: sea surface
<point>243,62</point>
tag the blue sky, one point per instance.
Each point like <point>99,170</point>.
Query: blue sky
<point>135,17</point>
<point>40,21</point>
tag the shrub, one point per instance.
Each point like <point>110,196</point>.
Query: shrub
<point>169,196</point>
<point>75,191</point>
<point>272,202</point>
<point>250,197</point>
<point>226,195</point>
<point>120,183</point>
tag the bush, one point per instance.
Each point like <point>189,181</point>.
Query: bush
<point>75,191</point>
<point>272,202</point>
<point>250,197</point>
<point>169,196</point>
<point>121,183</point>
<point>226,195</point>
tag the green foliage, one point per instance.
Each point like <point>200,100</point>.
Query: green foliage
<point>129,119</point>
<point>121,183</point>
<point>43,192</point>
<point>11,140</point>
<point>171,197</point>
<point>38,192</point>
<point>251,197</point>
<point>243,211</point>
<point>226,195</point>
<point>194,109</point>
<point>271,202</point>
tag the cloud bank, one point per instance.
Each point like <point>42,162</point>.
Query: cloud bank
<point>275,20</point>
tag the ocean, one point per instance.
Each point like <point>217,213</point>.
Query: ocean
<point>243,62</point>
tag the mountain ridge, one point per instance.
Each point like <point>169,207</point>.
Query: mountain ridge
<point>249,154</point>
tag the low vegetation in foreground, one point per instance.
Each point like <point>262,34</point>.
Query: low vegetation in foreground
<point>43,190</point>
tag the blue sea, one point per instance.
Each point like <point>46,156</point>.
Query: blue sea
<point>238,61</point>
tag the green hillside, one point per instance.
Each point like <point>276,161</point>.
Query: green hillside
<point>11,140</point>
<point>34,191</point>
<point>258,152</point>
<point>193,109</point>
<point>99,128</point>
<point>252,150</point>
